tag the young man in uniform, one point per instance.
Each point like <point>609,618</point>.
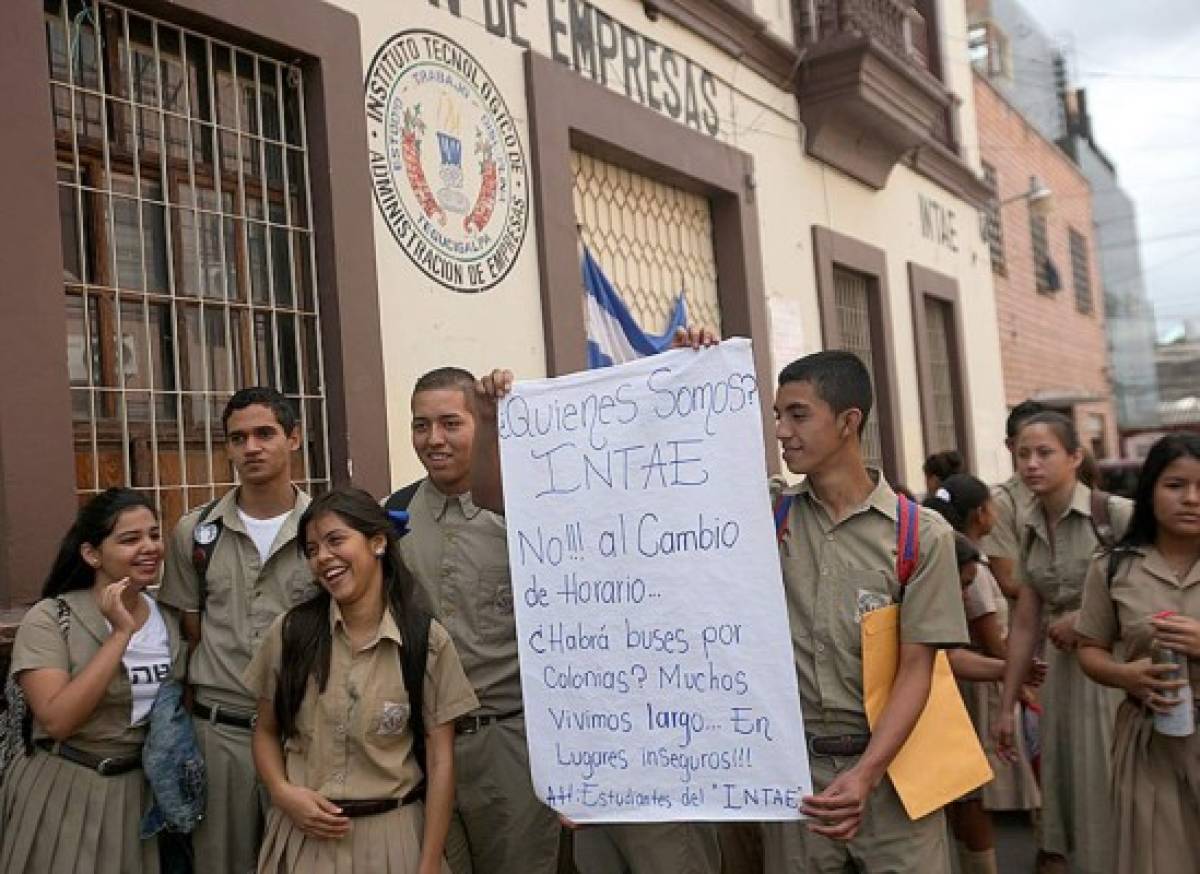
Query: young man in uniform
<point>1011,501</point>
<point>838,552</point>
<point>232,567</point>
<point>458,553</point>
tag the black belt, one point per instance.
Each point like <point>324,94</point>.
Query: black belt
<point>838,745</point>
<point>472,724</point>
<point>105,766</point>
<point>356,807</point>
<point>221,716</point>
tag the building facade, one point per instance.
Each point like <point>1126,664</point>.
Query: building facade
<point>334,199</point>
<point>1051,319</point>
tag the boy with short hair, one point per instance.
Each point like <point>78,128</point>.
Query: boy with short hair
<point>232,567</point>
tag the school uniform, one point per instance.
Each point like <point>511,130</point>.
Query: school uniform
<point>833,573</point>
<point>1014,786</point>
<point>1156,779</point>
<point>458,554</point>
<point>1078,714</point>
<point>353,742</point>
<point>242,596</point>
<point>60,815</point>
<point>1012,502</point>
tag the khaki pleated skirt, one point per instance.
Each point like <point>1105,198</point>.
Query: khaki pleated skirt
<point>1076,733</point>
<point>389,843</point>
<point>1156,797</point>
<point>1014,786</point>
<point>63,818</point>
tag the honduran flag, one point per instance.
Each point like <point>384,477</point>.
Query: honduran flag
<point>613,337</point>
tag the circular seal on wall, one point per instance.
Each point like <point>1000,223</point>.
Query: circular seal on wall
<point>447,166</point>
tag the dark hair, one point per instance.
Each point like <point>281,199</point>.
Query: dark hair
<point>966,494</point>
<point>447,378</point>
<point>943,464</point>
<point>1021,412</point>
<point>840,378</point>
<point>1062,426</point>
<point>306,635</point>
<point>965,551</point>
<point>1143,526</point>
<point>1089,470</point>
<point>273,400</point>
<point>95,521</point>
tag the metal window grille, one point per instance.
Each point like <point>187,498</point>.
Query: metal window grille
<point>188,261</point>
<point>653,241</point>
<point>1080,273</point>
<point>1040,239</point>
<point>939,322</point>
<point>993,231</point>
<point>852,297</point>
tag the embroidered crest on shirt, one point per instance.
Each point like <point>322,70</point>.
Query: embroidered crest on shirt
<point>393,718</point>
<point>869,601</point>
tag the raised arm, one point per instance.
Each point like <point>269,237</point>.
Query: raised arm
<point>487,488</point>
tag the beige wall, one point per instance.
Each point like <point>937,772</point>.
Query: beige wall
<point>426,325</point>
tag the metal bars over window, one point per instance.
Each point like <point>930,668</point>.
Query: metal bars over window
<point>1081,275</point>
<point>939,322</point>
<point>188,261</point>
<point>993,230</point>
<point>652,239</point>
<point>853,300</point>
<point>1044,275</point>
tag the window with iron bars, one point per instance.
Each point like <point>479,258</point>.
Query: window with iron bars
<point>993,230</point>
<point>1044,275</point>
<point>188,262</point>
<point>1080,273</point>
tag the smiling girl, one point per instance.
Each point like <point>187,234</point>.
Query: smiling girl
<point>90,657</point>
<point>358,690</point>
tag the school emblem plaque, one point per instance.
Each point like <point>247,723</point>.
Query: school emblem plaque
<point>447,165</point>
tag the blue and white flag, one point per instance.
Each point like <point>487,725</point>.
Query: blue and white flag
<point>613,335</point>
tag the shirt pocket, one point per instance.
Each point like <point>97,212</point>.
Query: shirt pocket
<point>301,587</point>
<point>494,607</point>
<point>386,726</point>
<point>859,592</point>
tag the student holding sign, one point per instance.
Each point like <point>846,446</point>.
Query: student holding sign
<point>838,548</point>
<point>458,554</point>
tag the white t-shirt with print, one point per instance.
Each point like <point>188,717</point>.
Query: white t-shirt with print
<point>147,661</point>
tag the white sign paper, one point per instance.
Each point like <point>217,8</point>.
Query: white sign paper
<point>656,659</point>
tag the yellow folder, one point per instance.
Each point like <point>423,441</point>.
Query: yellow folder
<point>942,759</point>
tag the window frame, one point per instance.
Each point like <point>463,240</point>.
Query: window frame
<point>925,284</point>
<point>831,248</point>
<point>1081,268</point>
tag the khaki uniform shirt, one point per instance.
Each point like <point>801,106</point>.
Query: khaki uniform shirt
<point>458,553</point>
<point>833,573</point>
<point>1057,570</point>
<point>1143,585</point>
<point>243,596</point>
<point>1011,501</point>
<point>40,644</point>
<point>353,740</point>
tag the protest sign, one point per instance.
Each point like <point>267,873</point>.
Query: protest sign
<point>656,658</point>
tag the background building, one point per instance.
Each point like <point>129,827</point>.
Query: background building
<point>1029,69</point>
<point>334,199</point>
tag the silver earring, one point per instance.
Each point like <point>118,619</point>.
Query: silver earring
<point>379,553</point>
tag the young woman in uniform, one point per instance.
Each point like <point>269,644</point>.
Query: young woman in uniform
<point>1057,544</point>
<point>337,719</point>
<point>89,658</point>
<point>965,502</point>
<point>1155,570</point>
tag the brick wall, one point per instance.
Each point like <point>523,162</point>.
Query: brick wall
<point>1047,346</point>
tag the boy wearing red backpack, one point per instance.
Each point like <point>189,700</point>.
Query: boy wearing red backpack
<point>839,547</point>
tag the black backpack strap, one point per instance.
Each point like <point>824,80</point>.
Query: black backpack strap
<point>1102,519</point>
<point>397,503</point>
<point>205,536</point>
<point>413,658</point>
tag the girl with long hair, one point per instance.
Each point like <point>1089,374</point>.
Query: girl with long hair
<point>358,691</point>
<point>90,657</point>
<point>1059,540</point>
<point>966,504</point>
<point>1145,595</point>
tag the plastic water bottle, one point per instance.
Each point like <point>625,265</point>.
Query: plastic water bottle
<point>1180,720</point>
